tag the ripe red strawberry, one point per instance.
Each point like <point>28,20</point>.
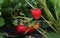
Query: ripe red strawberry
<point>31,30</point>
<point>37,25</point>
<point>21,29</point>
<point>36,13</point>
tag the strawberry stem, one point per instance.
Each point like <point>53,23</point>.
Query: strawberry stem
<point>41,32</point>
<point>30,4</point>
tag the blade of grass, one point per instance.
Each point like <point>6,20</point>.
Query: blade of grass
<point>49,24</point>
<point>55,4</point>
<point>48,13</point>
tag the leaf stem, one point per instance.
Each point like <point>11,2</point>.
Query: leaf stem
<point>30,4</point>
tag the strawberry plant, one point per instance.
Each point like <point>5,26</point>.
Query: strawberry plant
<point>21,18</point>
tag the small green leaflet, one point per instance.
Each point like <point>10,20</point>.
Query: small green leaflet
<point>1,21</point>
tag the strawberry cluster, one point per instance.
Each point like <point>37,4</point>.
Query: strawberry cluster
<point>21,29</point>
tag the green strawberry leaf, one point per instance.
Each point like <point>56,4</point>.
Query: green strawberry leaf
<point>2,35</point>
<point>44,25</point>
<point>1,21</point>
<point>53,35</point>
<point>1,2</point>
<point>6,3</point>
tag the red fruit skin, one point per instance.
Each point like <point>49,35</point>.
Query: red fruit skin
<point>21,29</point>
<point>36,13</point>
<point>31,30</point>
<point>37,25</point>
